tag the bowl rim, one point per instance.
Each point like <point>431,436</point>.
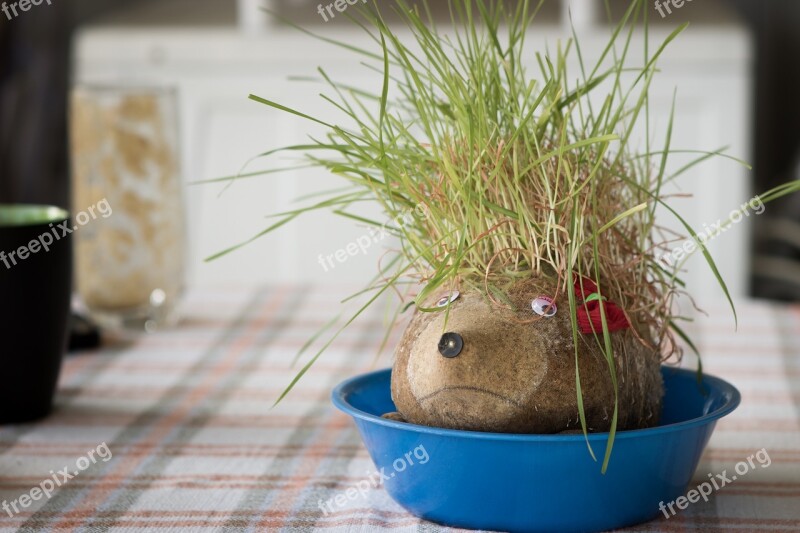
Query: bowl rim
<point>340,392</point>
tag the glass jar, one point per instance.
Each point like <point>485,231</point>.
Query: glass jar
<point>131,264</point>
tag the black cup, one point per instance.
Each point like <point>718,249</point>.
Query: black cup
<point>35,289</point>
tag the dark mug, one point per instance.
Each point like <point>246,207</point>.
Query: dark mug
<point>35,291</point>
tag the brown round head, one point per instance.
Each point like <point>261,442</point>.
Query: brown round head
<point>484,368</point>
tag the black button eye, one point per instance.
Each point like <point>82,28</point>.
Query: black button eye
<point>450,344</point>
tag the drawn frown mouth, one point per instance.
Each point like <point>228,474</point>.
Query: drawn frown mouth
<point>471,389</point>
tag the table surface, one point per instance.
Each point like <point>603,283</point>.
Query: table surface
<point>195,445</point>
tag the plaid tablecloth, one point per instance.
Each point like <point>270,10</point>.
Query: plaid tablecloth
<point>194,445</point>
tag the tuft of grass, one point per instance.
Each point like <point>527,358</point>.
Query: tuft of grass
<point>499,174</point>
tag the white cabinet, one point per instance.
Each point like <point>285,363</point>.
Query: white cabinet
<point>216,68</point>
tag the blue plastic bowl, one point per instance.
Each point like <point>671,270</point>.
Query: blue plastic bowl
<point>514,482</point>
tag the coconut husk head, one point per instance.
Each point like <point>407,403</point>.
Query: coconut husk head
<point>482,367</point>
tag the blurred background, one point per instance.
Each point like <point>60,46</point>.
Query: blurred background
<point>736,69</point>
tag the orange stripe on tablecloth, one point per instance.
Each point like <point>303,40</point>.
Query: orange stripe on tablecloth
<point>754,397</point>
<point>396,525</point>
<point>337,485</point>
<point>125,366</point>
<point>244,453</point>
<point>746,329</point>
<point>304,392</point>
<point>193,523</point>
<point>325,366</point>
<point>142,448</point>
<point>741,349</point>
<point>268,394</point>
<point>773,424</point>
<point>788,485</point>
<point>255,454</point>
<point>762,494</point>
<point>213,514</point>
<point>311,453</point>
<point>332,426</point>
<point>297,421</point>
<point>331,479</point>
<point>714,366</point>
<point>190,477</point>
<point>94,499</point>
<point>733,350</point>
<point>143,392</point>
<point>203,323</point>
<point>741,454</point>
<point>311,514</point>
<point>746,323</point>
<point>274,525</point>
<point>286,422</point>
<point>137,447</point>
<point>74,364</point>
<point>745,345</point>
<point>681,522</point>
<point>409,522</point>
<point>367,517</point>
<point>327,480</point>
<point>735,520</point>
<point>778,425</point>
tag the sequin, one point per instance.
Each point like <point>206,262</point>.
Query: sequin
<point>544,306</point>
<point>447,299</point>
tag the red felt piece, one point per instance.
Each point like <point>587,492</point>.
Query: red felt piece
<point>588,314</point>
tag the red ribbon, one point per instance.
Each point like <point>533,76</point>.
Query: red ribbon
<point>589,319</point>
